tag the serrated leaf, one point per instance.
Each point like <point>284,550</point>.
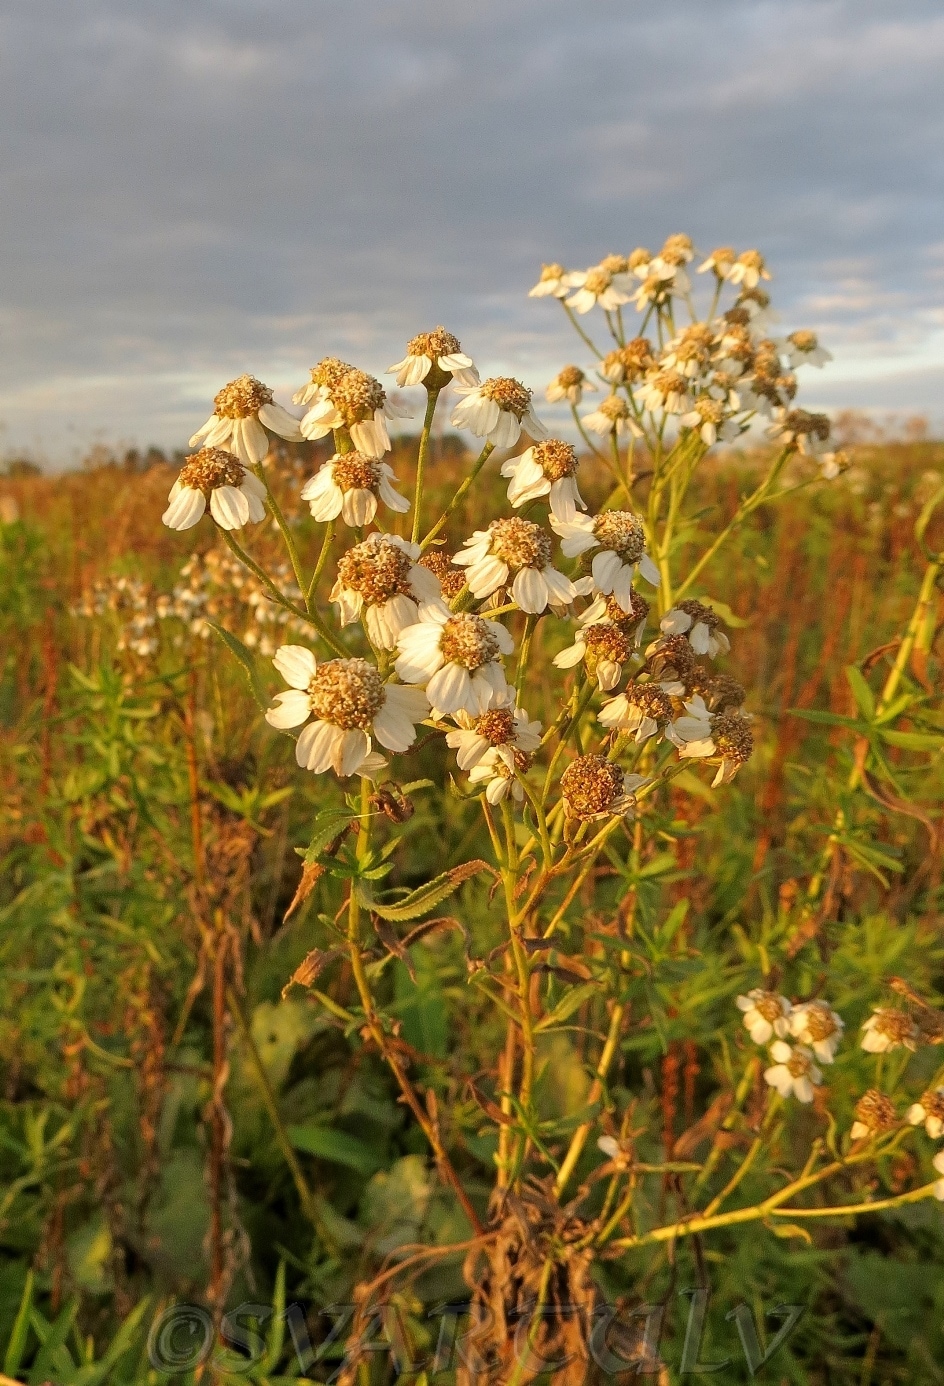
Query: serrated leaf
<point>425,897</point>
<point>329,824</point>
<point>245,659</point>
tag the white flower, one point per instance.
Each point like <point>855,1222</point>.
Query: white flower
<point>500,731</point>
<point>438,348</point>
<point>793,1071</point>
<point>809,433</point>
<point>242,407</point>
<point>349,484</point>
<point>329,371</point>
<point>627,363</point>
<point>643,709</point>
<point>612,415</point>
<point>380,580</point>
<point>349,702</point>
<point>667,390</point>
<point>803,349</point>
<point>520,547</point>
<point>766,1014</point>
<point>700,624</point>
<point>720,260</point>
<point>568,384</point>
<point>929,1112</point>
<point>359,403</point>
<point>552,283</point>
<point>498,409</point>
<point>597,286</point>
<point>691,733</point>
<point>875,1114</point>
<point>620,538</point>
<point>816,1024</point>
<point>938,1163</point>
<point>499,779</point>
<point>236,496</point>
<point>607,639</point>
<point>547,469</point>
<point>887,1029</point>
<point>708,418</point>
<point>748,269</point>
<point>458,660</point>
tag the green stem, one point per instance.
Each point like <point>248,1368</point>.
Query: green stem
<point>579,330</point>
<point>311,617</point>
<point>460,495</point>
<point>285,532</point>
<point>322,559</point>
<point>523,653</point>
<point>421,460</point>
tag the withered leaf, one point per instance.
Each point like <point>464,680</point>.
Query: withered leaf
<point>311,968</point>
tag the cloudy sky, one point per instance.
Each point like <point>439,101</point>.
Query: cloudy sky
<point>194,188</point>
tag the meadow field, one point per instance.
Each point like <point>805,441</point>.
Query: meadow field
<point>180,1124</point>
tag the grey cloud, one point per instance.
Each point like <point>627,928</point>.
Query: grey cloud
<point>190,190</point>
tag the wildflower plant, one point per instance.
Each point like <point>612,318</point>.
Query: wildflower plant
<point>557,674</point>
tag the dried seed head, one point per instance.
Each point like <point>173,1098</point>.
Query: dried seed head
<point>876,1111</point>
<point>933,1103</point>
<point>674,658</point>
<point>650,700</point>
<point>556,458</point>
<point>733,738</point>
<point>241,398</point>
<point>346,692</point>
<point>451,578</point>
<point>637,257</point>
<point>212,467</point>
<point>820,1021</point>
<point>615,264</point>
<point>377,569</point>
<point>701,614</point>
<point>520,543</point>
<point>467,640</point>
<point>931,1026</point>
<point>609,641</point>
<point>755,295</point>
<point>329,372</point>
<point>497,726</point>
<point>720,692</point>
<point>598,280</point>
<point>623,532</point>
<point>639,609</point>
<point>352,471</point>
<point>591,786</point>
<point>357,396</point>
<point>508,394</point>
<point>433,344</point>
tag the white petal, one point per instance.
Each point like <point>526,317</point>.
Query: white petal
<point>185,509</point>
<point>280,421</point>
<point>529,590</point>
<point>450,689</point>
<point>293,708</point>
<point>229,507</point>
<point>296,664</point>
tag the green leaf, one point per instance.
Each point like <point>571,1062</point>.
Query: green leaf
<point>17,1343</point>
<point>865,698</point>
<point>829,719</point>
<point>329,824</point>
<point>242,654</point>
<point>425,897</point>
<point>336,1146</point>
<point>724,611</point>
<point>913,741</point>
<point>566,1006</point>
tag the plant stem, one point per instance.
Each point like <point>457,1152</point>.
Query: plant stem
<point>477,466</point>
<point>285,531</point>
<point>311,617</point>
<point>322,560</point>
<point>421,459</point>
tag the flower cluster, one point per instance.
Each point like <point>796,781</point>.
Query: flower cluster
<point>803,1037</point>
